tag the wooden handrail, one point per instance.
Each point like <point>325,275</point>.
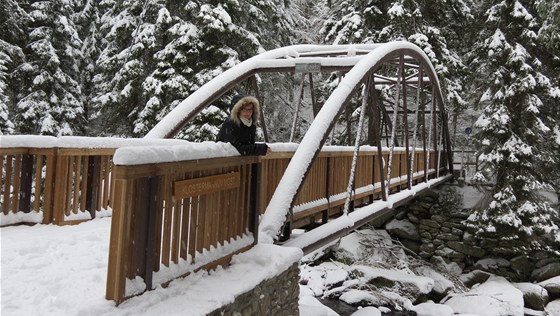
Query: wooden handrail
<point>168,213</point>
<point>182,213</point>
<point>64,185</point>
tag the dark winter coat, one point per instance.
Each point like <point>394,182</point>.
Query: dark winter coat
<point>242,137</point>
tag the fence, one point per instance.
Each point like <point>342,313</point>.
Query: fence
<point>172,218</point>
<point>54,185</point>
<point>324,190</point>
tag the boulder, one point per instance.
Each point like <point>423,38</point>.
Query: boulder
<point>546,272</point>
<point>475,277</point>
<point>495,297</point>
<point>553,308</point>
<point>403,229</point>
<point>522,265</point>
<point>534,295</point>
<point>466,249</point>
<point>552,286</point>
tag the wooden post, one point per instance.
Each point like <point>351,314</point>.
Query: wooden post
<point>60,183</point>
<point>121,234</point>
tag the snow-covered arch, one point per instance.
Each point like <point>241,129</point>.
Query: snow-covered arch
<point>285,59</point>
<point>358,61</point>
<point>286,191</point>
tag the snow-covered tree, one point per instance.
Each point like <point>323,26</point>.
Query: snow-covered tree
<point>51,100</point>
<point>6,125</point>
<point>13,24</point>
<point>159,52</point>
<point>87,20</point>
<point>432,25</point>
<point>511,132</point>
<point>549,37</point>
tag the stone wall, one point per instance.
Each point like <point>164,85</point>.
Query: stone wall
<point>437,233</point>
<point>277,296</point>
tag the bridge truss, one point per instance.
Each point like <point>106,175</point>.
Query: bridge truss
<point>394,83</point>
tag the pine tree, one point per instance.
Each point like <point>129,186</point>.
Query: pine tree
<point>511,132</point>
<point>13,23</point>
<point>549,54</point>
<point>431,25</point>
<point>87,19</point>
<point>159,52</point>
<point>6,125</point>
<point>51,100</point>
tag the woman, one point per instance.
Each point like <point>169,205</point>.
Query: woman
<point>240,127</point>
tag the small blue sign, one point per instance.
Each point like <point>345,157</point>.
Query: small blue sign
<point>468,130</point>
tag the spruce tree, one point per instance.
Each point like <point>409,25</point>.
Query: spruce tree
<point>13,36</point>
<point>511,132</point>
<point>6,125</point>
<point>87,19</point>
<point>51,100</point>
<point>431,25</point>
<point>549,53</point>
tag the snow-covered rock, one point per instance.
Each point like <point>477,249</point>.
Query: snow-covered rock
<point>534,295</point>
<point>367,311</point>
<point>552,285</point>
<point>553,308</point>
<point>495,297</point>
<point>431,309</point>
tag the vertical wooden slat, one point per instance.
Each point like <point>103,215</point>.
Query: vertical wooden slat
<point>92,189</point>
<point>194,223</point>
<point>151,229</point>
<point>201,215</point>
<point>48,200</point>
<point>106,181</point>
<point>99,184</point>
<point>242,212</point>
<point>3,204</point>
<point>83,184</point>
<point>253,221</point>
<point>131,251</point>
<point>69,184</point>
<point>217,218</point>
<point>263,200</point>
<point>166,237</point>
<point>7,184</point>
<point>223,211</point>
<point>77,183</point>
<point>184,238</point>
<point>38,183</point>
<point>176,230</point>
<point>141,208</point>
<point>26,184</point>
<point>17,179</point>
<point>158,225</point>
<point>208,223</point>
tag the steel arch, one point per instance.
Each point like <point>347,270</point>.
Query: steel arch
<point>287,190</point>
<point>360,63</point>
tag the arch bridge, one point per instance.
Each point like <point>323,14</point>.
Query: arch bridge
<point>398,94</point>
<point>178,207</point>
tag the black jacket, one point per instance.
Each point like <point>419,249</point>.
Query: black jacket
<point>242,138</point>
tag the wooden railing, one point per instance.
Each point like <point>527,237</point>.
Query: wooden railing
<point>192,214</point>
<point>54,185</point>
<point>177,216</point>
<point>324,190</point>
<point>174,218</point>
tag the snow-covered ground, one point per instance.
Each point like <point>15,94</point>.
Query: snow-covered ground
<point>51,270</point>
